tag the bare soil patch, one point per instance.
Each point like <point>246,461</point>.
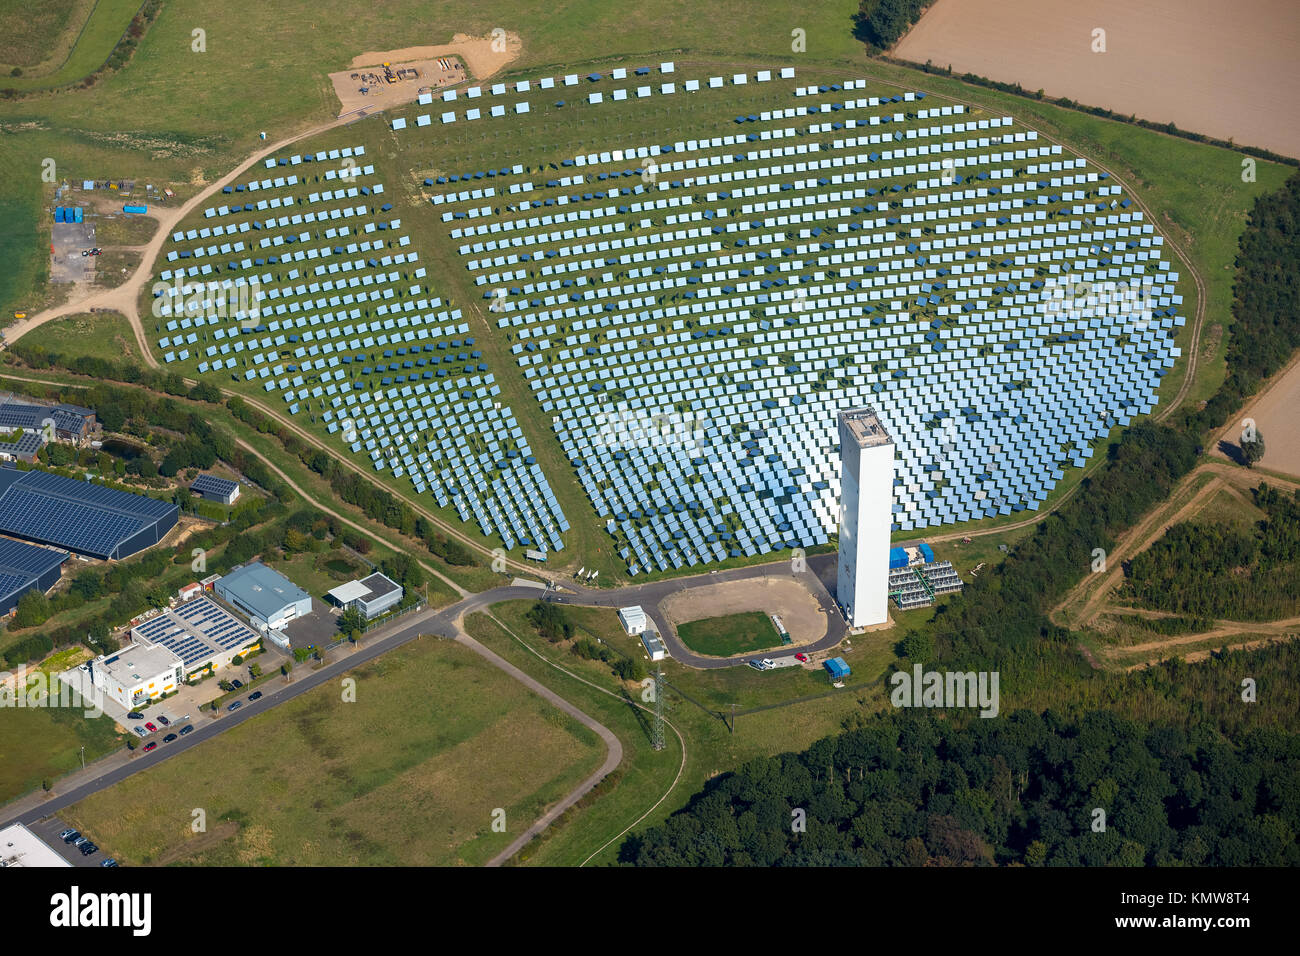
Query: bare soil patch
<point>464,58</point>
<point>786,597</point>
<point>1277,415</point>
<point>1226,69</point>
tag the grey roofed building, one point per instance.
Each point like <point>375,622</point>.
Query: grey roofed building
<point>71,422</point>
<point>268,598</point>
<point>24,448</point>
<point>373,595</point>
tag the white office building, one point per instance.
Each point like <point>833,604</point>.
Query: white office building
<point>866,514</point>
<point>137,673</point>
<point>633,619</point>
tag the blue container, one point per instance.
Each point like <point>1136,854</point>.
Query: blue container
<point>76,214</point>
<point>58,214</point>
<point>135,210</point>
<point>897,558</point>
<point>927,552</point>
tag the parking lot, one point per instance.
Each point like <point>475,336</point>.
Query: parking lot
<point>49,830</point>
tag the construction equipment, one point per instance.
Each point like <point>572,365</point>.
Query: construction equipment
<point>389,75</point>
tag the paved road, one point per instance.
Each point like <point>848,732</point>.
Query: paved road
<point>444,622</point>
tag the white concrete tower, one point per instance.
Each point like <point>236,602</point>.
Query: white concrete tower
<point>866,514</point>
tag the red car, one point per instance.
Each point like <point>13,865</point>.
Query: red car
<point>151,728</point>
<point>801,657</point>
<point>149,746</point>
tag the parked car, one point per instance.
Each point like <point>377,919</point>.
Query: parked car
<point>802,658</point>
<point>150,727</point>
<point>255,695</point>
<point>169,738</point>
<point>141,731</point>
<point>163,720</point>
<point>109,862</point>
<point>135,715</point>
<point>80,841</point>
<point>235,706</point>
<point>150,745</point>
<point>236,683</point>
<point>70,835</point>
<point>66,833</point>
<point>88,848</point>
<point>186,729</point>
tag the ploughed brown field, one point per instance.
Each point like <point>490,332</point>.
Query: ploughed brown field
<point>1225,68</point>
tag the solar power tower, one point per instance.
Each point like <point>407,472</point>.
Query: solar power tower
<point>866,513</point>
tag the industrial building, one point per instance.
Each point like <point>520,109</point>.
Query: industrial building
<point>212,488</point>
<point>866,515</point>
<point>24,567</point>
<point>373,595</point>
<point>80,517</point>
<point>23,448</point>
<point>199,631</point>
<point>19,846</point>
<point>269,599</point>
<point>136,673</point>
<point>633,619</point>
<point>70,423</point>
<point>654,645</point>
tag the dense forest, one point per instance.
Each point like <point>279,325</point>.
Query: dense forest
<point>1265,328</point>
<point>881,23</point>
<point>905,790</point>
<point>1219,571</point>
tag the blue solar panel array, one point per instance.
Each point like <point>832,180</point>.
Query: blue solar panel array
<point>694,314</point>
<point>346,332</point>
<point>213,485</point>
<point>26,566</point>
<point>221,631</point>
<point>87,519</point>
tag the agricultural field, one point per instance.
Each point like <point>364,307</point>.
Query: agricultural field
<point>408,775</point>
<point>1160,60</point>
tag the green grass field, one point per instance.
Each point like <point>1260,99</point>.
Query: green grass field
<point>43,743</point>
<point>408,775</point>
<point>731,634</point>
<point>802,708</point>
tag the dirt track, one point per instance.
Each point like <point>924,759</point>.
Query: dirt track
<point>1226,69</point>
<point>782,595</point>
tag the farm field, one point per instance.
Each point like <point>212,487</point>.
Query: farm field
<point>1163,60</point>
<point>1277,415</point>
<point>409,774</point>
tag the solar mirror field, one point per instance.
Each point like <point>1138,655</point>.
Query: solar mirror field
<point>662,284</point>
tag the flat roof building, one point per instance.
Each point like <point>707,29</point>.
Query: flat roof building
<point>202,633</point>
<point>19,846</point>
<point>137,673</point>
<point>24,567</point>
<point>633,619</point>
<point>268,598</point>
<point>654,645</point>
<point>373,595</point>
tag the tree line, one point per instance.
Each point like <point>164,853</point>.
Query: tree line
<point>1031,790</point>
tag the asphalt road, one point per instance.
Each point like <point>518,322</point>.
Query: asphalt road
<point>446,622</point>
